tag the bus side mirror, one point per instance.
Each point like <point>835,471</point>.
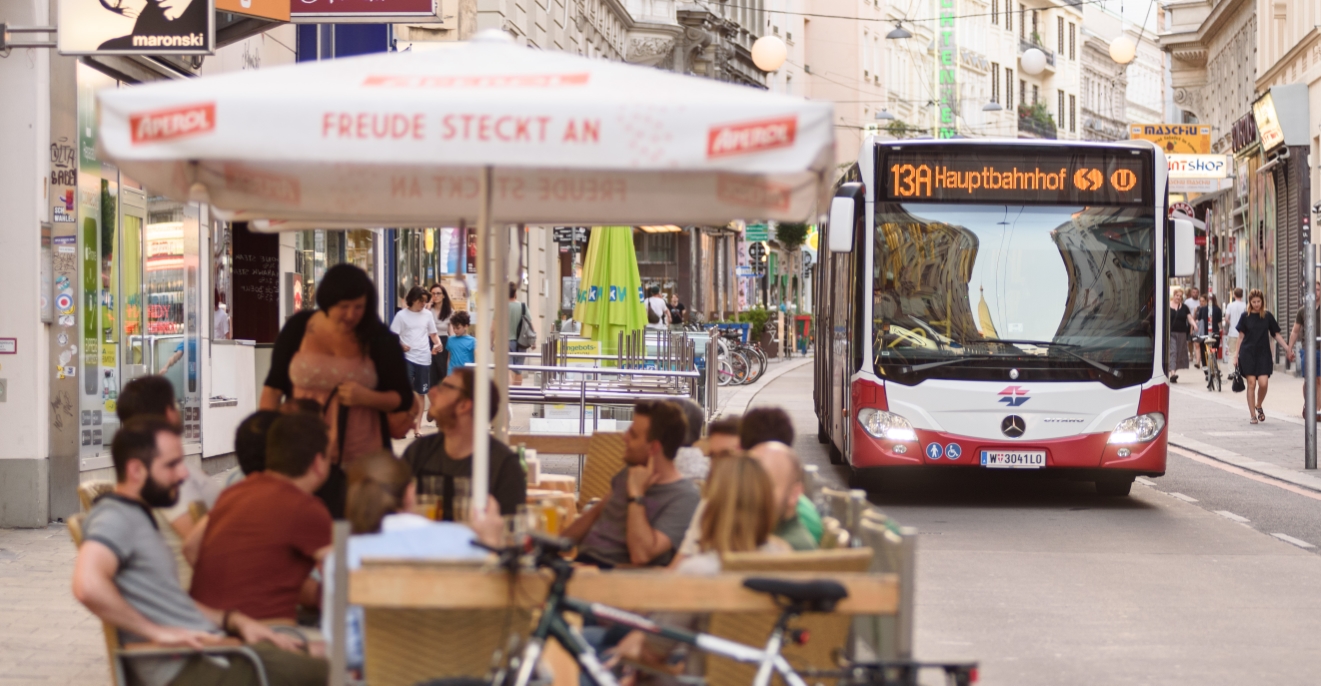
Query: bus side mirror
<point>845,211</point>
<point>1184,248</point>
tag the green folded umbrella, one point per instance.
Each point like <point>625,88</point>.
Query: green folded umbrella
<point>610,293</point>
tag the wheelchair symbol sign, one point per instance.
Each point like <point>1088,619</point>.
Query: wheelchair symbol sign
<point>953,451</point>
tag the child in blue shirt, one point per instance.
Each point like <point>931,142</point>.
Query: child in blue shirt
<point>462,347</point>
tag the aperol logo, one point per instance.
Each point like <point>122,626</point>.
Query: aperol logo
<point>176,122</point>
<point>746,137</point>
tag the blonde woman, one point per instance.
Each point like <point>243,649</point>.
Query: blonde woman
<point>1181,322</point>
<point>1255,359</point>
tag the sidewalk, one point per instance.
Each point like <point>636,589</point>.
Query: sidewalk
<point>1216,425</point>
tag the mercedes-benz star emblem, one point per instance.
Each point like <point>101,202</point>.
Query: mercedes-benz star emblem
<point>1013,426</point>
<point>1013,373</point>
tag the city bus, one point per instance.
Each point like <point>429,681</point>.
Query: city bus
<point>998,304</point>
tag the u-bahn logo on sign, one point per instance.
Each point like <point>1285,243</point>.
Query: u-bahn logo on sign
<point>1014,396</point>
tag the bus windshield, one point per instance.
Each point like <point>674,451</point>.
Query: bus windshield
<point>968,291</point>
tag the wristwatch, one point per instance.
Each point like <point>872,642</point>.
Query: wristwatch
<point>636,499</point>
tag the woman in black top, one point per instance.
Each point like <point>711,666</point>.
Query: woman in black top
<point>1257,327</point>
<point>1180,322</point>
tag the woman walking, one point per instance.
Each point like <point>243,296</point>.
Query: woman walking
<point>1254,360</point>
<point>343,357</point>
<point>1181,322</point>
<point>1209,319</point>
<point>441,309</point>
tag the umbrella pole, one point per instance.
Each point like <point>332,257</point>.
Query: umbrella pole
<point>481,411</point>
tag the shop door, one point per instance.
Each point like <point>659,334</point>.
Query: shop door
<point>134,353</point>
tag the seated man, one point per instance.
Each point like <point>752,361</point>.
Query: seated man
<point>443,461</point>
<point>787,478</point>
<point>250,449</point>
<point>773,424</point>
<point>722,439</point>
<point>650,503</point>
<point>125,575</point>
<point>269,530</point>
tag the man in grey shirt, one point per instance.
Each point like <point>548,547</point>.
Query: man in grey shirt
<point>126,575</point>
<point>650,503</point>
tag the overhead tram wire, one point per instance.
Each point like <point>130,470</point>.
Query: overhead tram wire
<point>890,20</point>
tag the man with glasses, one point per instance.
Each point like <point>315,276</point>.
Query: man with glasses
<point>443,461</point>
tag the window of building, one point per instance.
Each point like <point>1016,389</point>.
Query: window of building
<point>1022,92</point>
<point>1022,22</point>
<point>655,248</point>
<point>1059,35</point>
<point>1009,16</point>
<point>1036,94</point>
<point>1073,113</point>
<point>1060,107</point>
<point>1073,40</point>
<point>995,12</point>
<point>995,82</point>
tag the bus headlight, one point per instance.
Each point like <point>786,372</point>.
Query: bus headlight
<point>1139,429</point>
<point>887,425</point>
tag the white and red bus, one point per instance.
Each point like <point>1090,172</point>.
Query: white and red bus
<point>999,304</point>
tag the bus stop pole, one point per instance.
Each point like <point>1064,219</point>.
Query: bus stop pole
<point>1309,354</point>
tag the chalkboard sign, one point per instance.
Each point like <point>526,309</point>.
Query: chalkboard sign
<point>255,313</point>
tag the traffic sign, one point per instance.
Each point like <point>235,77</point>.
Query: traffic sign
<point>757,252</point>
<point>564,235</point>
<point>757,232</point>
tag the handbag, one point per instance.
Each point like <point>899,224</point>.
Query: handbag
<point>527,336</point>
<point>1236,381</point>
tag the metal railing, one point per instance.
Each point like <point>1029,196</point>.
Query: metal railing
<point>1024,45</point>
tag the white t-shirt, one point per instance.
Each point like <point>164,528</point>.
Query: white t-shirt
<point>1192,304</point>
<point>415,329</point>
<point>221,324</point>
<point>657,305</point>
<point>1234,310</point>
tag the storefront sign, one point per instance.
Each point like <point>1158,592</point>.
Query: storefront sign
<point>1198,166</point>
<point>137,27</point>
<point>1268,123</point>
<point>1186,139</point>
<point>275,10</point>
<point>366,11</point>
<point>8,346</point>
<point>1199,185</point>
<point>947,71</point>
<point>1243,133</point>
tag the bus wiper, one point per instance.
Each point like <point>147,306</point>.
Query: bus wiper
<point>953,360</point>
<point>1062,347</point>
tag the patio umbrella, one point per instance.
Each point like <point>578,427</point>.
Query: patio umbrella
<point>484,131</point>
<point>610,294</point>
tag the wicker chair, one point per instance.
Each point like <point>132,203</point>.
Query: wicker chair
<point>605,459</point>
<point>829,633</point>
<point>405,646</point>
<point>119,654</point>
<point>88,492</point>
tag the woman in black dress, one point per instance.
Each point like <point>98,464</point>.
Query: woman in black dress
<point>1254,360</point>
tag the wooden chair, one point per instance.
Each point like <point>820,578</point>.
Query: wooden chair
<point>833,534</point>
<point>605,459</point>
<point>894,551</point>
<point>845,506</point>
<point>119,654</point>
<point>88,492</point>
<point>829,633</point>
<point>197,510</point>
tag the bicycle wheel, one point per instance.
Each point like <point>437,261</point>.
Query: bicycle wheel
<point>759,360</point>
<point>725,372</point>
<point>739,364</point>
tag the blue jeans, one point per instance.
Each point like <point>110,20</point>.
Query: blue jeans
<point>419,375</point>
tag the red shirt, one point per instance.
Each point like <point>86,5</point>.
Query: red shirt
<point>259,547</point>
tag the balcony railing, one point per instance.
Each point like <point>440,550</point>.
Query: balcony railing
<point>1024,45</point>
<point>1034,128</point>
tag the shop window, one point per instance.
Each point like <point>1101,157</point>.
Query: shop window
<point>655,248</point>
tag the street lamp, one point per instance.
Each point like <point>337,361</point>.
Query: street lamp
<point>992,106</point>
<point>899,32</point>
<point>1123,49</point>
<point>884,115</point>
<point>1033,61</point>
<point>769,53</point>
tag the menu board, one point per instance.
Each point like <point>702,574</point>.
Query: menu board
<point>255,313</point>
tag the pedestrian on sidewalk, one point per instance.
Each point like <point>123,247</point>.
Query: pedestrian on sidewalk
<point>1191,301</point>
<point>658,313</point>
<point>1233,311</point>
<point>1181,322</point>
<point>442,308</point>
<point>1209,318</point>
<point>1296,335</point>
<point>1253,361</point>
<point>416,328</point>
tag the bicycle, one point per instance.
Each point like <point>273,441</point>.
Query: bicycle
<point>1211,370</point>
<point>794,598</point>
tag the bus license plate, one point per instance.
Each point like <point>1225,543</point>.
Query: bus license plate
<point>1014,459</point>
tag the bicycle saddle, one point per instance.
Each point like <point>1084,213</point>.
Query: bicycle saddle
<point>814,596</point>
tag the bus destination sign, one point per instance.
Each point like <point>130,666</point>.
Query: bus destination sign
<point>1006,176</point>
